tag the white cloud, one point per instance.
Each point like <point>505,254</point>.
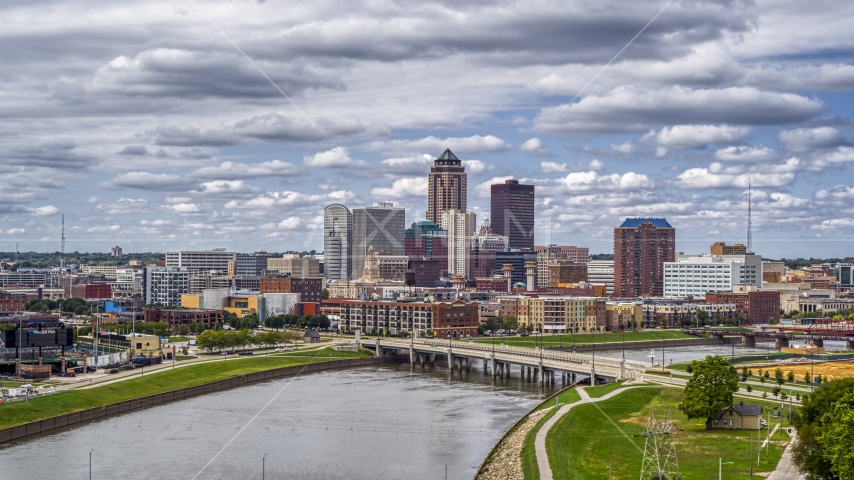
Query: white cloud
<point>697,136</point>
<point>745,154</point>
<point>338,157</point>
<point>458,145</point>
<point>155,223</point>
<point>834,224</point>
<point>125,206</point>
<point>16,231</point>
<point>718,176</point>
<point>104,228</point>
<point>149,181</point>
<point>840,155</point>
<point>554,167</point>
<point>233,170</point>
<point>411,187</point>
<point>291,222</point>
<point>293,199</point>
<point>475,167</point>
<point>592,181</point>
<point>839,192</point>
<point>484,189</point>
<point>626,147</point>
<point>531,145</point>
<point>185,207</point>
<point>226,188</point>
<point>802,139</point>
<point>44,211</point>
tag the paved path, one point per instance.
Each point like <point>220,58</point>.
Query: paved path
<point>786,468</point>
<point>540,439</point>
<point>681,382</point>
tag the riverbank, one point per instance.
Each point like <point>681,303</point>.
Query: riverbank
<point>18,420</point>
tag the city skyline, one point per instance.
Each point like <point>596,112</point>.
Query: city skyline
<point>164,136</point>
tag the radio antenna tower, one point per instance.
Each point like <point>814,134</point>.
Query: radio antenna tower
<point>659,455</point>
<point>62,251</point>
<point>749,220</point>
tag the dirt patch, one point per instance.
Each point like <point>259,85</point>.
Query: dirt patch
<point>831,370</point>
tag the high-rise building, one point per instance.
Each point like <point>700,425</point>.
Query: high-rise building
<point>116,252</point>
<point>641,246</point>
<point>484,246</point>
<point>447,186</point>
<point>696,275</point>
<point>337,242</point>
<point>252,264</point>
<point>512,212</point>
<point>460,227</point>
<point>201,262</point>
<point>425,240</point>
<point>566,272</point>
<point>165,285</point>
<point>381,227</point>
<point>721,248</point>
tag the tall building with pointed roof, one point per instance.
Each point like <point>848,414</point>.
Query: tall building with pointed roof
<point>447,186</point>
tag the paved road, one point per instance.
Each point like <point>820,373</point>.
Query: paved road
<point>786,468</point>
<point>540,439</point>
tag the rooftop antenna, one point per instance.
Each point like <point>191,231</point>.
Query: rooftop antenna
<point>62,256</point>
<point>749,220</point>
<point>16,252</point>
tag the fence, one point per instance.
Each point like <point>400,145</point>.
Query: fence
<point>88,415</point>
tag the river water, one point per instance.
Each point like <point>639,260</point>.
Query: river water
<point>382,422</point>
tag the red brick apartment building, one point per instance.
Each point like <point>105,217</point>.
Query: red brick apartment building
<point>459,319</point>
<point>756,307</point>
<point>183,316</point>
<point>309,288</point>
<point>641,246</point>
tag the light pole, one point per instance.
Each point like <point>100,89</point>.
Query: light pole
<point>720,467</point>
<point>90,463</point>
<point>624,343</point>
<point>263,466</point>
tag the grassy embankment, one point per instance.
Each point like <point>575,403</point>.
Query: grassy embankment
<point>566,340</point>
<point>163,381</point>
<point>585,442</point>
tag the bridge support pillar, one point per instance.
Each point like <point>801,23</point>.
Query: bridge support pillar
<point>623,368</point>
<point>818,342</point>
<point>542,374</point>
<point>849,345</point>
<point>485,366</point>
<point>450,361</point>
<point>468,364</point>
<point>781,342</point>
<point>508,370</point>
<point>432,359</point>
<point>411,356</point>
<point>494,366</point>
<point>748,341</point>
<point>379,349</point>
<point>62,364</point>
<point>592,377</point>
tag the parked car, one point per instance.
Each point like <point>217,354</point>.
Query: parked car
<point>523,335</point>
<point>763,423</point>
<point>246,352</point>
<point>66,374</point>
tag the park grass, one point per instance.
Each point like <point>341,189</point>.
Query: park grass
<point>600,391</point>
<point>585,442</point>
<point>569,395</point>
<point>70,401</point>
<point>184,357</point>
<point>566,340</point>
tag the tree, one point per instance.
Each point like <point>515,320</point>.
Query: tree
<point>766,374</point>
<point>826,431</point>
<point>749,388</point>
<point>324,294</point>
<point>702,315</point>
<point>807,377</point>
<point>510,322</point>
<point>790,376</point>
<point>183,329</point>
<point>710,388</point>
<point>772,321</point>
<point>778,375</point>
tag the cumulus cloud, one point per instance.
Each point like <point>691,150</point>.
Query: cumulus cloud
<point>185,208</point>
<point>125,206</point>
<point>234,170</point>
<point>338,157</point>
<point>484,189</point>
<point>554,167</point>
<point>407,165</point>
<point>718,176</point>
<point>801,139</point>
<point>149,181</point>
<point>291,222</point>
<point>839,192</point>
<point>476,167</point>
<point>60,154</point>
<point>697,136</point>
<point>744,154</point>
<point>293,199</point>
<point>133,150</point>
<point>458,145</point>
<point>44,211</point>
<point>592,181</point>
<point>413,187</point>
<point>840,155</point>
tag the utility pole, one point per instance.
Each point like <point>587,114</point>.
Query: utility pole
<point>750,458</point>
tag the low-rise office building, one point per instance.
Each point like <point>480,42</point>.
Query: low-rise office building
<point>623,315</point>
<point>187,316</point>
<point>556,314</point>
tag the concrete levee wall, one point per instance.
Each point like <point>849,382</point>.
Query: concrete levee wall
<point>70,419</point>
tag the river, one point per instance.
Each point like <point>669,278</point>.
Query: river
<point>383,422</point>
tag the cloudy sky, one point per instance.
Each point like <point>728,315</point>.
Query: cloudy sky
<point>162,125</point>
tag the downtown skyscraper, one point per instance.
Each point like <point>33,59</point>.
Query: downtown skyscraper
<point>381,227</point>
<point>447,186</point>
<point>337,242</point>
<point>512,212</point>
<point>641,246</point>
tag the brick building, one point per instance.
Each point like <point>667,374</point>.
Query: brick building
<point>566,271</point>
<point>90,290</point>
<point>310,289</point>
<point>427,272</point>
<point>459,319</point>
<point>556,314</point>
<point>183,316</point>
<point>756,307</point>
<point>641,246</point>
<point>13,302</point>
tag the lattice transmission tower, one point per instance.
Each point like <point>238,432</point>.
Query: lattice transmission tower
<point>659,455</point>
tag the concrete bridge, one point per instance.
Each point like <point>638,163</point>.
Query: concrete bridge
<point>782,338</point>
<point>544,365</point>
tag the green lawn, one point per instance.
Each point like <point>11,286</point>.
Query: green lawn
<point>585,442</point>
<point>163,381</point>
<point>184,357</point>
<point>179,339</point>
<point>584,338</point>
<point>602,390</point>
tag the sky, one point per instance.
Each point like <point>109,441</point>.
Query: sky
<point>196,124</point>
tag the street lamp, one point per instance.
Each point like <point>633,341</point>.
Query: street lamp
<point>90,463</point>
<point>263,465</point>
<point>721,463</point>
<point>624,343</point>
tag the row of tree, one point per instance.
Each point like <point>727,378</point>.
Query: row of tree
<point>313,322</point>
<point>218,340</point>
